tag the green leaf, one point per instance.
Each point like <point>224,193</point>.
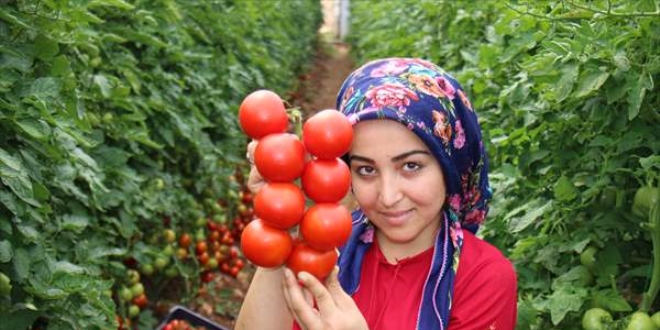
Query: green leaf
<point>532,211</point>
<point>30,234</point>
<point>111,3</point>
<point>564,87</point>
<point>10,162</point>
<point>590,81</point>
<point>5,251</point>
<point>610,300</point>
<point>9,201</point>
<point>75,223</point>
<point>65,267</point>
<point>35,128</point>
<point>636,92</point>
<point>18,317</point>
<point>564,189</point>
<point>60,67</point>
<point>104,85</point>
<point>45,47</point>
<point>565,299</point>
<point>44,87</point>
<point>21,263</point>
<point>649,162</point>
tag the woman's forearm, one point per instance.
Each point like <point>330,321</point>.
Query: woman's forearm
<point>264,306</point>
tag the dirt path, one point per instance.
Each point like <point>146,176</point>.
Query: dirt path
<point>319,87</point>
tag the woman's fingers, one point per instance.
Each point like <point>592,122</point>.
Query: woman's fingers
<point>300,306</point>
<point>324,299</point>
<point>255,180</point>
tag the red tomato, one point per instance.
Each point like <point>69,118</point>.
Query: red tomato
<point>305,258</point>
<point>280,157</point>
<point>327,134</point>
<point>141,301</point>
<point>185,240</point>
<point>201,247</point>
<point>280,204</point>
<point>262,112</point>
<point>326,181</point>
<point>326,226</point>
<point>265,246</point>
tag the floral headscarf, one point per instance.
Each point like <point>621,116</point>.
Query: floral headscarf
<point>428,101</point>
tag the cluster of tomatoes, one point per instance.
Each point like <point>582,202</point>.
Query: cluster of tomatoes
<point>218,252</point>
<point>280,205</point>
<point>133,297</point>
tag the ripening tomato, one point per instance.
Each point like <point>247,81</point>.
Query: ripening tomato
<point>326,226</point>
<point>265,246</point>
<point>327,134</point>
<point>185,240</point>
<point>141,301</point>
<point>262,112</point>
<point>280,157</point>
<point>280,204</point>
<point>305,258</point>
<point>326,180</point>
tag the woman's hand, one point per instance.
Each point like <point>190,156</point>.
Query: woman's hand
<point>255,180</point>
<point>335,309</point>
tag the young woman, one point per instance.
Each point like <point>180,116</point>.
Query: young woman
<point>419,177</point>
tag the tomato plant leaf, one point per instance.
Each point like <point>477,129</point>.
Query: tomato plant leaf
<point>569,74</point>
<point>610,300</point>
<point>636,91</point>
<point>563,300</point>
<point>5,251</point>
<point>650,162</point>
<point>532,211</point>
<point>590,81</point>
<point>564,189</point>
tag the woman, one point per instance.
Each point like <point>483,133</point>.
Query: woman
<point>419,177</point>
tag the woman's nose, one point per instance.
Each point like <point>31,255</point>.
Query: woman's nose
<point>389,192</point>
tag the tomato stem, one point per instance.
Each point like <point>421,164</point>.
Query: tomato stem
<point>654,218</point>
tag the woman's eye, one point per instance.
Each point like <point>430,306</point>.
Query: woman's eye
<point>411,167</point>
<point>365,170</point>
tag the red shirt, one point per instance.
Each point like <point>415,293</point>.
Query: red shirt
<point>485,289</point>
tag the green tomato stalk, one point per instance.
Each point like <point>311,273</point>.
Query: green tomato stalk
<point>654,219</point>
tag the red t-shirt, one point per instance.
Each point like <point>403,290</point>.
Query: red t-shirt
<point>485,289</point>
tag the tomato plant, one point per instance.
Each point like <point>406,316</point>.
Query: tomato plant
<point>326,180</point>
<point>265,246</point>
<point>327,134</point>
<point>305,258</point>
<point>131,170</point>
<point>326,226</point>
<point>280,204</point>
<point>262,112</point>
<point>280,157</point>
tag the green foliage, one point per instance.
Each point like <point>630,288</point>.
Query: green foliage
<point>568,96</point>
<point>117,117</point>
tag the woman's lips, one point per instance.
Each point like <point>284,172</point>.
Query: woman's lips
<point>395,218</point>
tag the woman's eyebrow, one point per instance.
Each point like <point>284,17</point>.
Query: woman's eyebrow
<point>362,159</point>
<point>394,159</point>
<point>408,154</point>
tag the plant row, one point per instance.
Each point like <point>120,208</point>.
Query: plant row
<point>121,159</point>
<point>567,94</point>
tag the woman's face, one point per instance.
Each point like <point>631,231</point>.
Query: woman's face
<point>397,182</point>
